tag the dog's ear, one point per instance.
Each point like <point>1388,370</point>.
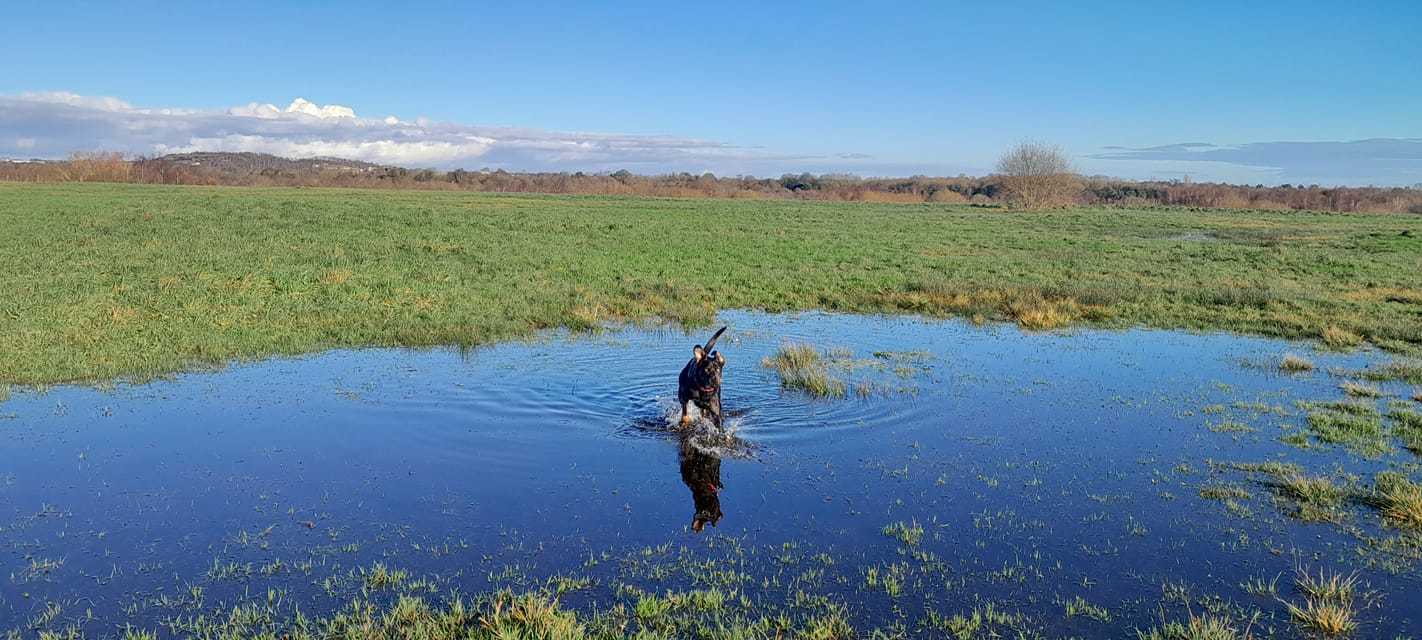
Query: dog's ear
<point>720,359</point>
<point>698,353</point>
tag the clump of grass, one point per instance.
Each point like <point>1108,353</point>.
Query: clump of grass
<point>1335,337</point>
<point>1399,499</point>
<point>1224,492</point>
<point>1315,498</point>
<point>1328,606</point>
<point>1407,426</point>
<point>1230,426</point>
<point>803,368</point>
<point>1296,439</point>
<point>1196,627</point>
<point>1259,587</point>
<point>1409,371</point>
<point>1295,364</point>
<point>380,577</point>
<point>909,533</point>
<point>1359,390</point>
<point>1357,426</point>
<point>1079,607</point>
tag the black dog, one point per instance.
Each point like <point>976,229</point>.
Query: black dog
<point>700,382</point>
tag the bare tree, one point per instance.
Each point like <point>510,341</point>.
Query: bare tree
<point>1038,176</point>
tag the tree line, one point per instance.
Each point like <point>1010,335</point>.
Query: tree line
<point>1032,180</point>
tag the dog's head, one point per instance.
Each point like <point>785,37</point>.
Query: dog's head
<point>710,363</point>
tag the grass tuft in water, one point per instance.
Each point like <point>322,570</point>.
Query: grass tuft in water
<point>1295,364</point>
<point>1407,426</point>
<point>1360,390</point>
<point>1328,606</point>
<point>1079,607</point>
<point>1196,627</point>
<point>1224,492</point>
<point>1357,426</point>
<point>909,533</point>
<point>380,577</point>
<point>803,368</point>
<point>1399,499</point>
<point>1314,498</point>
<point>1409,371</point>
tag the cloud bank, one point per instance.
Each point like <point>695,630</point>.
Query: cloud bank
<point>52,125</point>
<point>1381,161</point>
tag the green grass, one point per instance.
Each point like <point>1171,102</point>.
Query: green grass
<point>1196,627</point>
<point>133,281</point>
<point>1314,498</point>
<point>1328,607</point>
<point>803,368</point>
<point>1399,500</point>
<point>1409,371</point>
<point>1407,426</point>
<point>1357,426</point>
<point>909,533</point>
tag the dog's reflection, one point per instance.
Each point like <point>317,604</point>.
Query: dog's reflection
<point>701,471</point>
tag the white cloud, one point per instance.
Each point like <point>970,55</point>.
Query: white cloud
<point>24,143</point>
<point>57,123</point>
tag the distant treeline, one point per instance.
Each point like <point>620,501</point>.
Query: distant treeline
<point>248,169</point>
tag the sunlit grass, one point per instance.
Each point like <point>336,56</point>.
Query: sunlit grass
<point>1295,364</point>
<point>803,368</point>
<point>1329,602</point>
<point>1399,499</point>
<point>139,281</point>
<point>1196,627</point>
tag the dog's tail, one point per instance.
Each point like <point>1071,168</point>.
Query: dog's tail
<point>711,344</point>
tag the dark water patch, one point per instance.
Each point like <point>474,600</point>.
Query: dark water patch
<point>1077,483</point>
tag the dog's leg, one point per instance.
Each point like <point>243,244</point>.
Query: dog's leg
<point>685,413</point>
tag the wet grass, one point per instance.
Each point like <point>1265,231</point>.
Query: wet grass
<point>135,281</point>
<point>1204,626</point>
<point>1359,390</point>
<point>909,533</point>
<point>1295,364</point>
<point>803,368</point>
<point>1355,425</point>
<point>1328,606</point>
<point>1314,497</point>
<point>1409,371</point>
<point>1407,426</point>
<point>1399,500</point>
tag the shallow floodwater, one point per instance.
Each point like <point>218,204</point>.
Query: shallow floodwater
<point>1041,468</point>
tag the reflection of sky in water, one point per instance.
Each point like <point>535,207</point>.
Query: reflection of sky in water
<point>1057,454</point>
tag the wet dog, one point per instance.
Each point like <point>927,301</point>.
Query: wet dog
<point>700,382</point>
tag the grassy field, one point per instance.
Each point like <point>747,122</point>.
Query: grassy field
<point>125,281</point>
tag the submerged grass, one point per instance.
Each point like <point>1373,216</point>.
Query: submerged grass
<point>110,281</point>
<point>1315,497</point>
<point>1295,364</point>
<point>803,368</point>
<point>1407,426</point>
<point>1355,425</point>
<point>1409,371</point>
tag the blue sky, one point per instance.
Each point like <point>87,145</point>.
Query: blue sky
<point>874,89</point>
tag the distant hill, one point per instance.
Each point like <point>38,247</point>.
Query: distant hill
<point>244,163</point>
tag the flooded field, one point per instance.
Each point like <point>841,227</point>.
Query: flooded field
<point>971,482</point>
